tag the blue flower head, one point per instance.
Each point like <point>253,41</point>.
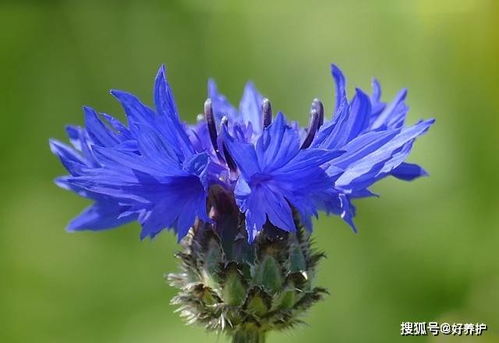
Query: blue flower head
<point>161,171</point>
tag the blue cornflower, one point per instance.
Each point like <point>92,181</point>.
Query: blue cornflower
<point>160,171</point>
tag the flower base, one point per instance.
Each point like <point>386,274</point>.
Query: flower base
<point>245,290</point>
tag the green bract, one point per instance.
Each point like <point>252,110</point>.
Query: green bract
<point>245,289</point>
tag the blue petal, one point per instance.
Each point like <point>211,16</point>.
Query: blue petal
<point>197,164</point>
<point>120,129</point>
<point>221,106</point>
<point>408,171</point>
<point>362,146</point>
<point>96,129</point>
<point>176,205</point>
<point>393,115</point>
<point>71,160</point>
<point>277,145</point>
<point>244,155</point>
<point>284,175</point>
<point>348,212</point>
<point>307,160</point>
<point>376,96</point>
<point>347,124</point>
<point>278,210</point>
<point>262,203</point>
<point>352,122</point>
<point>135,110</point>
<point>159,148</point>
<point>102,215</point>
<point>168,123</point>
<point>341,95</point>
<point>119,160</point>
<point>377,106</point>
<point>75,136</point>
<point>81,141</point>
<point>251,107</point>
<point>362,193</point>
<point>163,96</point>
<point>375,165</point>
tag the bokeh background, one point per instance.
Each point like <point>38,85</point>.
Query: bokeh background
<point>426,251</point>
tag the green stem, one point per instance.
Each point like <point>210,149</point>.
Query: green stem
<point>248,336</point>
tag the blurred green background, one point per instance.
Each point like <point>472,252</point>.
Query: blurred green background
<point>427,250</point>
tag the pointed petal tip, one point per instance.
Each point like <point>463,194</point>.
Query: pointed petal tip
<point>87,109</point>
<point>249,84</point>
<point>426,124</point>
<point>160,75</point>
<point>58,148</point>
<point>352,225</point>
<point>212,87</point>
<point>115,92</point>
<point>74,226</point>
<point>145,234</point>
<point>118,93</point>
<point>161,69</point>
<point>335,68</point>
<point>53,144</point>
<point>423,172</point>
<point>71,128</point>
<point>121,95</point>
<point>70,228</point>
<point>60,181</point>
<point>280,116</point>
<point>361,93</point>
<point>337,72</point>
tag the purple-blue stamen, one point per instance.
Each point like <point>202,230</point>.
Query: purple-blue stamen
<point>212,126</point>
<point>320,109</point>
<point>316,117</point>
<point>267,112</point>
<point>228,158</point>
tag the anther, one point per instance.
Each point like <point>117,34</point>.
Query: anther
<point>228,158</point>
<point>267,112</point>
<point>317,104</point>
<point>210,121</point>
<point>314,126</point>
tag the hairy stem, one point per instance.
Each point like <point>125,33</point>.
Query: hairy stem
<point>249,336</point>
